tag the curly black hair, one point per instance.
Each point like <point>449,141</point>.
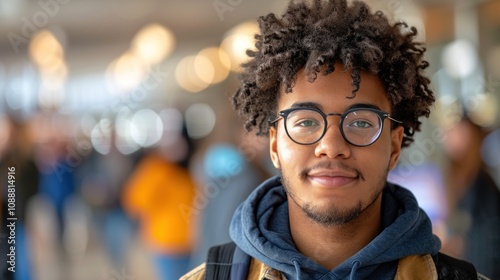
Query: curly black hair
<point>314,36</point>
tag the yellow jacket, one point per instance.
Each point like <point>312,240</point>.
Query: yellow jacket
<point>411,267</point>
<point>160,194</point>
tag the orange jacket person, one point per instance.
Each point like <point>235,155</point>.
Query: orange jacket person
<point>156,194</point>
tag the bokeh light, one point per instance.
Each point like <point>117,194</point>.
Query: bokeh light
<point>146,127</point>
<point>45,50</point>
<point>237,41</point>
<point>459,59</point>
<point>200,120</point>
<point>153,43</point>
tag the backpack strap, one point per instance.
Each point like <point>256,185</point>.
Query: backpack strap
<point>241,264</point>
<point>226,261</point>
<point>451,268</point>
<point>219,261</point>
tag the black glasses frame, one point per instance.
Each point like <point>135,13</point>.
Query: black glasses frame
<point>381,115</point>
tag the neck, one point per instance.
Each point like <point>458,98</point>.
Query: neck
<point>330,245</point>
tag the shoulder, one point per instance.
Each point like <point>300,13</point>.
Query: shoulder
<point>256,270</point>
<point>440,266</point>
<point>197,273</point>
<point>451,268</point>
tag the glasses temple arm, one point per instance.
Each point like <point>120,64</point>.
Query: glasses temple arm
<point>394,120</point>
<point>275,120</point>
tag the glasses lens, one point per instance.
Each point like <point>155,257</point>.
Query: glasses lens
<point>362,127</point>
<point>305,126</point>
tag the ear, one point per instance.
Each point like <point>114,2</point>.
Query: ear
<point>273,147</point>
<point>396,141</point>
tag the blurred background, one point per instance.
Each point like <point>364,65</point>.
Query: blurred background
<point>130,161</point>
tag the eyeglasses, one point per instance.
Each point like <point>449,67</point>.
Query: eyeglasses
<point>359,126</point>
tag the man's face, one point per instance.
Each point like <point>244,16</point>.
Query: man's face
<point>332,181</point>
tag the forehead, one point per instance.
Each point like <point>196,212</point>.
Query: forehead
<point>333,91</point>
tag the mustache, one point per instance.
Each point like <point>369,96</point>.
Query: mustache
<point>331,165</point>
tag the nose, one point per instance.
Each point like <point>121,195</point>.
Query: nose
<point>333,144</point>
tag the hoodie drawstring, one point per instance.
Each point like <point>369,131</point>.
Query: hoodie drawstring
<point>296,264</point>
<point>354,269</point>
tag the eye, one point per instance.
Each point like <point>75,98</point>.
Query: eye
<point>306,123</point>
<point>304,119</point>
<point>360,124</point>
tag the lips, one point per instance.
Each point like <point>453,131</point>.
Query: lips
<point>331,177</point>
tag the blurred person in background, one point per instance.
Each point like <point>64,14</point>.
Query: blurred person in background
<point>426,182</point>
<point>56,189</point>
<point>159,194</point>
<point>224,178</point>
<point>100,180</point>
<point>16,150</point>
<point>473,200</point>
<point>56,177</point>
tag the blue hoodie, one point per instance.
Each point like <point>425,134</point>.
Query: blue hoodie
<point>260,227</point>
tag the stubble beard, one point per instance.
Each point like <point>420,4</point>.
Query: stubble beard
<point>332,216</point>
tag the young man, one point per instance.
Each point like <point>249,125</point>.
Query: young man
<point>339,91</point>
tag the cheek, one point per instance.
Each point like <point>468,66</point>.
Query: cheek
<point>376,157</point>
<point>287,154</point>
<point>290,153</point>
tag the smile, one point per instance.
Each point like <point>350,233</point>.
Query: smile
<point>332,182</point>
<point>331,178</point>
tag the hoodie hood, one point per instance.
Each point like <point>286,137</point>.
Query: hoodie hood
<point>260,227</point>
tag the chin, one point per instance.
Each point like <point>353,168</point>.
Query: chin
<point>333,216</point>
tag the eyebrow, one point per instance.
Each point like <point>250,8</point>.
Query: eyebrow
<point>306,105</point>
<point>363,105</point>
<point>318,106</point>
